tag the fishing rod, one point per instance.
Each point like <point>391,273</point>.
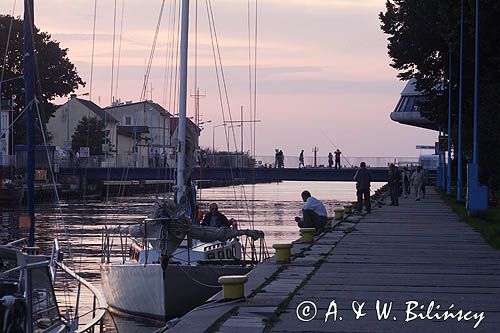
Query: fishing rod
<point>335,146</point>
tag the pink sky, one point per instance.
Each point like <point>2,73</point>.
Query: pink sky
<point>323,70</point>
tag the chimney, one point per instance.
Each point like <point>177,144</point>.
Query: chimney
<point>72,96</point>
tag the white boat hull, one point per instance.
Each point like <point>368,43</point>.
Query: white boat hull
<point>138,290</point>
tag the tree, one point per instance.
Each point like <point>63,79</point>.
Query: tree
<point>421,35</point>
<point>57,76</point>
<point>88,133</point>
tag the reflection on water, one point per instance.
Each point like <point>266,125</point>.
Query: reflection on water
<point>268,207</point>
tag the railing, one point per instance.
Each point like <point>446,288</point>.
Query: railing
<point>228,161</point>
<point>99,305</point>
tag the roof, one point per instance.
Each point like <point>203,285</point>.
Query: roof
<point>174,122</point>
<point>132,131</point>
<point>157,106</point>
<point>97,110</point>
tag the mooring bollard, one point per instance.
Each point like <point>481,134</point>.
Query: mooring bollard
<point>348,209</point>
<point>233,286</point>
<point>328,225</point>
<point>283,252</point>
<point>307,235</point>
<point>339,213</point>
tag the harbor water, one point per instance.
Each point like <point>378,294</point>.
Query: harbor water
<point>267,207</point>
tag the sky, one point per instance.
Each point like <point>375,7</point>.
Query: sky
<point>323,74</point>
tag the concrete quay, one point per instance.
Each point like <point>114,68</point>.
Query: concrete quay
<point>417,259</point>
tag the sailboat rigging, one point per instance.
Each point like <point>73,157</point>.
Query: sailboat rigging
<point>173,262</point>
<point>28,301</point>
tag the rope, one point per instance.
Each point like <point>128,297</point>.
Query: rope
<point>151,54</point>
<point>197,281</point>
<point>119,49</point>
<point>7,45</point>
<point>113,54</point>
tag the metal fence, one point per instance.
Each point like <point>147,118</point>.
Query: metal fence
<point>216,160</point>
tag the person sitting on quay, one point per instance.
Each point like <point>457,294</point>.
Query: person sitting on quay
<point>363,178</point>
<point>216,219</point>
<point>313,213</point>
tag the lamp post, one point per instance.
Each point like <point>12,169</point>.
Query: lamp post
<point>459,157</point>
<point>213,136</point>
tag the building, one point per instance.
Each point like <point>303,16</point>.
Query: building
<point>137,132</point>
<point>407,110</point>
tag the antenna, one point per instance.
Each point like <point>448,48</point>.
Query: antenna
<point>197,97</point>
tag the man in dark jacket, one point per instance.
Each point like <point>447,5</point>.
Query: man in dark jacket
<point>363,178</point>
<point>215,218</point>
<point>394,179</point>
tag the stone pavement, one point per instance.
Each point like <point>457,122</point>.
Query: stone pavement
<point>418,260</point>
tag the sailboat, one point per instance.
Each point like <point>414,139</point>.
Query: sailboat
<point>28,300</point>
<point>173,263</point>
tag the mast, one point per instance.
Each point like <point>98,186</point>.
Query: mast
<point>29,100</point>
<point>181,127</point>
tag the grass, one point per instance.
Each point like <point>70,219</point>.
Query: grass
<point>487,223</point>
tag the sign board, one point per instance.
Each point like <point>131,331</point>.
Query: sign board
<point>84,152</point>
<point>105,148</point>
<point>443,143</point>
<point>425,147</point>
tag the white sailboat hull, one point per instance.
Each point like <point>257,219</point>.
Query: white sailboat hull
<point>138,290</point>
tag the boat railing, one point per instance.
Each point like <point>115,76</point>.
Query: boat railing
<point>99,305</point>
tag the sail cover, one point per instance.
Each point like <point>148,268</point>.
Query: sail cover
<point>165,223</point>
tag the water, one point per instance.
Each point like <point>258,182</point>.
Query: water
<point>271,207</point>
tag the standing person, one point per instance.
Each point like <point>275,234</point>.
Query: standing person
<point>157,158</point>
<point>417,181</point>
<point>313,213</point>
<point>276,158</point>
<point>363,178</point>
<point>77,159</point>
<point>406,182</point>
<point>301,158</point>
<point>394,184</point>
<point>330,159</point>
<point>281,159</point>
<point>337,158</point>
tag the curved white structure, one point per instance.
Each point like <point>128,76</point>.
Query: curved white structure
<point>407,110</point>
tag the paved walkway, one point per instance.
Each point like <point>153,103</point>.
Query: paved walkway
<point>418,256</point>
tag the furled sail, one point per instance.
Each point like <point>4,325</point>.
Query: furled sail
<point>165,223</point>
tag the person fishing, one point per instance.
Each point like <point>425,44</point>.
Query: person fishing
<point>313,213</point>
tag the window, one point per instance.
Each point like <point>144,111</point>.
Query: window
<point>128,120</point>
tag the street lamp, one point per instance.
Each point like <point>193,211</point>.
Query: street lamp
<point>213,136</point>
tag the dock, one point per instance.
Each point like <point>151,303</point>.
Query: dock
<point>409,268</point>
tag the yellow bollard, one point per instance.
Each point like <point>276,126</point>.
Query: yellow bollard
<point>328,225</point>
<point>233,286</point>
<point>348,209</point>
<point>283,252</point>
<point>307,235</point>
<point>339,213</point>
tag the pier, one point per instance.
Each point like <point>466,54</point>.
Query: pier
<point>417,259</point>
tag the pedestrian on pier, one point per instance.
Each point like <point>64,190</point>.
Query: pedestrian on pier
<point>276,158</point>
<point>313,213</point>
<point>281,159</point>
<point>301,159</point>
<point>337,158</point>
<point>363,178</point>
<point>330,160</point>
<point>417,181</point>
<point>406,182</point>
<point>394,179</point>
